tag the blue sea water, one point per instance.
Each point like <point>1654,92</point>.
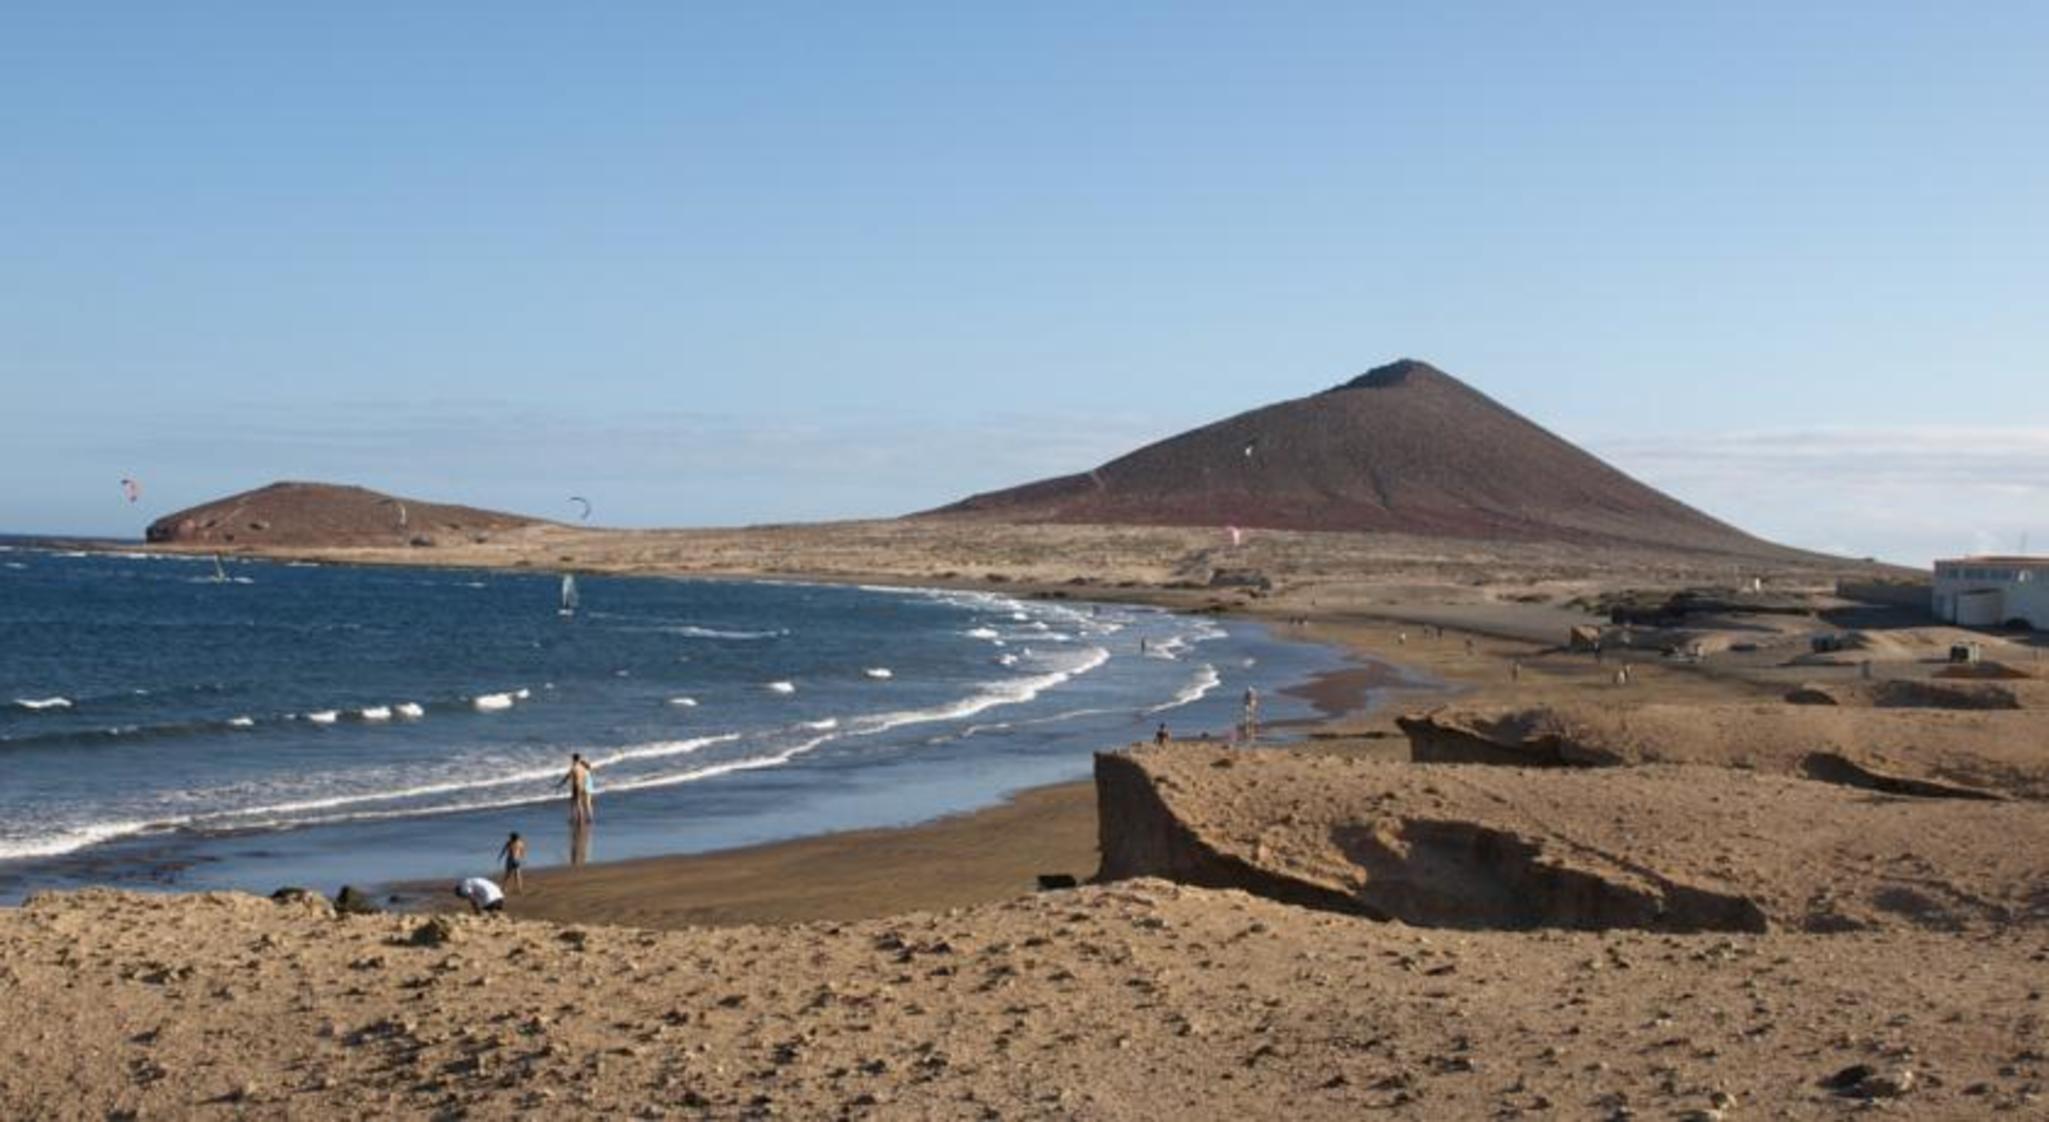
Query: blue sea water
<point>165,723</point>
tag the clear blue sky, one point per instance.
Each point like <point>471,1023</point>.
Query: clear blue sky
<point>709,264</point>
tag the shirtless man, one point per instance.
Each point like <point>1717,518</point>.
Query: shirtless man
<point>579,783</point>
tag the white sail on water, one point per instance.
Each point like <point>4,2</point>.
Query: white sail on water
<point>568,594</point>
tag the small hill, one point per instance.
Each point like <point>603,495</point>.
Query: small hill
<point>1404,448</point>
<point>326,515</point>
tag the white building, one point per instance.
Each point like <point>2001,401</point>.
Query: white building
<point>1990,591</point>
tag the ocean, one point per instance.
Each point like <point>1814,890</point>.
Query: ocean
<point>167,722</point>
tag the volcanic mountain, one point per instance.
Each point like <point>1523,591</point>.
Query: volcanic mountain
<point>325,515</point>
<point>1404,448</point>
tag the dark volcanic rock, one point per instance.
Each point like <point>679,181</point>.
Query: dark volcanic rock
<point>1403,448</point>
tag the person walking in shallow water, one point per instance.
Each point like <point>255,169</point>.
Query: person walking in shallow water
<point>579,783</point>
<point>513,853</point>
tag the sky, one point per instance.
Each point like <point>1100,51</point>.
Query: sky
<point>719,264</point>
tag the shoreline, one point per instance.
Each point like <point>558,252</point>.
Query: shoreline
<point>990,821</point>
<point>955,860</point>
<point>810,876</point>
<point>976,855</point>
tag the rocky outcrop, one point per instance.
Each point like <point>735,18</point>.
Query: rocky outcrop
<point>1930,753</point>
<point>1651,847</point>
<point>1901,693</point>
<point>1140,836</point>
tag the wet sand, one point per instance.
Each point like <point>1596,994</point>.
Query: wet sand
<point>991,854</point>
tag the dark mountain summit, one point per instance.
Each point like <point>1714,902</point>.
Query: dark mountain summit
<point>1403,448</point>
<point>324,514</point>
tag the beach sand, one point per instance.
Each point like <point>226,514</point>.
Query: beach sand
<point>991,854</point>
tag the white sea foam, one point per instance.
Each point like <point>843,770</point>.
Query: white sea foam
<point>522,693</point>
<point>989,696</point>
<point>65,841</point>
<point>300,813</point>
<point>662,749</point>
<point>692,631</point>
<point>376,713</point>
<point>1053,719</point>
<point>42,703</point>
<point>1006,660</point>
<point>1198,687</point>
<point>1169,648</point>
<point>781,687</point>
<point>822,726</point>
<point>410,710</point>
<point>745,763</point>
<point>683,702</point>
<point>879,673</point>
<point>241,722</point>
<point>323,717</point>
<point>983,633</point>
<point>492,702</point>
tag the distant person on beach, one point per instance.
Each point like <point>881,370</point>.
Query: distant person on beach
<point>483,896</point>
<point>1161,736</point>
<point>579,783</point>
<point>513,853</point>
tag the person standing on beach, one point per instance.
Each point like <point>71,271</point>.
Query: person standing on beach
<point>513,853</point>
<point>1161,737</point>
<point>1250,724</point>
<point>579,783</point>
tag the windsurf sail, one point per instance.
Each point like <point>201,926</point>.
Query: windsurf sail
<point>568,594</point>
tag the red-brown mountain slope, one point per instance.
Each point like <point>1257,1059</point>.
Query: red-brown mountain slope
<point>1404,448</point>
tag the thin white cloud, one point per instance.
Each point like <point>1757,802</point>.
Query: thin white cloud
<point>1903,493</point>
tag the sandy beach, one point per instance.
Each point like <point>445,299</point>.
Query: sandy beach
<point>974,858</point>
